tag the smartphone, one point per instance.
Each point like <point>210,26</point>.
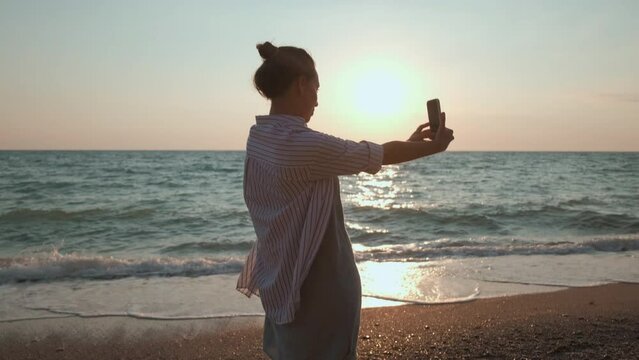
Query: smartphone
<point>434,112</point>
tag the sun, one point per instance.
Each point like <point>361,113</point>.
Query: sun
<point>379,94</point>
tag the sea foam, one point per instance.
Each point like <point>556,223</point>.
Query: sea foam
<point>56,266</point>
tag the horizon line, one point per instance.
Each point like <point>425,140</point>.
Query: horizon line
<point>243,150</point>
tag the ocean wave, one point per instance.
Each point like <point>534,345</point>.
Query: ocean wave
<point>566,214</point>
<point>559,217</point>
<point>217,168</point>
<point>209,246</point>
<point>477,248</point>
<point>464,299</point>
<point>494,218</point>
<point>55,267</point>
<point>428,216</point>
<point>26,214</point>
<point>585,200</point>
<point>34,185</point>
<point>574,219</point>
<point>52,214</point>
<point>135,213</point>
<point>593,220</point>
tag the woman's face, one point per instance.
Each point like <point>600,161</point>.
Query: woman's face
<point>310,97</point>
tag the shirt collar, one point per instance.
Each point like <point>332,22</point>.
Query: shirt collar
<point>289,120</point>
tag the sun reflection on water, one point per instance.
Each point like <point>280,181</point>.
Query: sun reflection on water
<point>432,282</point>
<point>366,229</point>
<point>394,280</point>
<point>381,191</point>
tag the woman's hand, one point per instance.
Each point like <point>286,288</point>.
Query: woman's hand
<point>396,152</point>
<point>444,135</point>
<point>421,133</point>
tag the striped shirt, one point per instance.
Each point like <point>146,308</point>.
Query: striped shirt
<point>290,173</point>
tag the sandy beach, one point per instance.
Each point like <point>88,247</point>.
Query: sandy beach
<point>599,322</point>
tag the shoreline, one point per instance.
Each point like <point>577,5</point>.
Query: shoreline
<point>582,322</point>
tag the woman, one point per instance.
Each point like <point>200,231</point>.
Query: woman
<point>302,265</point>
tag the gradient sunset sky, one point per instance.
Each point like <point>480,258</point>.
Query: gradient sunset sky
<point>154,75</point>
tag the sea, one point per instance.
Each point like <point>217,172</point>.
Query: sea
<point>164,234</point>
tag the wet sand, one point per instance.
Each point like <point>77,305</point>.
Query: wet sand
<point>599,322</point>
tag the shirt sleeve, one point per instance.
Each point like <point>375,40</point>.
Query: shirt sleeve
<point>332,156</point>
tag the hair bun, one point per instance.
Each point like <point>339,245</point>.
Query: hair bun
<point>267,50</point>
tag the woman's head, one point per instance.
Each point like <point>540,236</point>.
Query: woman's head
<point>288,78</point>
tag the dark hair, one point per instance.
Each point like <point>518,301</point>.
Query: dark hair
<point>281,66</point>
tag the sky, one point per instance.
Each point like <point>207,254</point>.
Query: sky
<point>177,75</point>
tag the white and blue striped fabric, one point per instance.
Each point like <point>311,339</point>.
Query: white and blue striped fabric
<point>289,177</point>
